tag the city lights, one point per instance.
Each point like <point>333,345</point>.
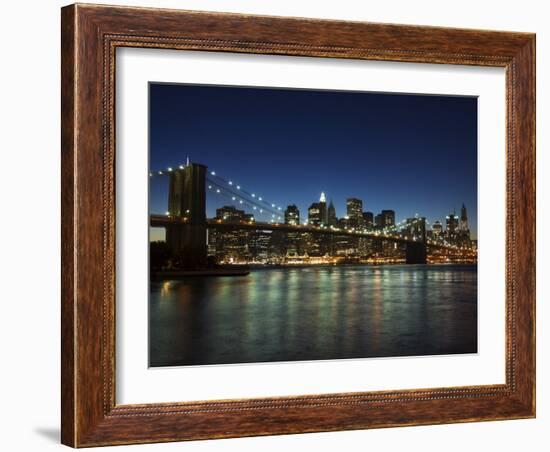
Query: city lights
<point>332,228</point>
<point>358,236</point>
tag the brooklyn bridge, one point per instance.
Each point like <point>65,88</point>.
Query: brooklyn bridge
<point>186,223</point>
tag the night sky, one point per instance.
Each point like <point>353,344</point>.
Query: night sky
<point>410,153</point>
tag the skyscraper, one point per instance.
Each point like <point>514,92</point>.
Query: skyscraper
<point>451,227</point>
<point>437,230</point>
<point>368,218</point>
<point>331,215</point>
<point>385,219</point>
<point>314,214</point>
<point>317,212</point>
<point>344,245</point>
<point>292,243</point>
<point>388,218</point>
<point>354,211</point>
<point>292,215</point>
<point>463,228</point>
<point>317,244</point>
<point>259,244</point>
<point>323,208</point>
<point>231,245</point>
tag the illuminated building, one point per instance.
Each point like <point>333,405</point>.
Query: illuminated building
<point>331,215</point>
<point>368,219</point>
<point>292,246</point>
<point>260,245</point>
<point>292,215</point>
<point>388,218</point>
<point>385,219</point>
<point>315,214</point>
<point>463,235</point>
<point>451,228</point>
<point>437,230</point>
<point>463,225</point>
<point>232,245</point>
<point>354,211</point>
<point>323,208</point>
<point>317,244</point>
<point>344,245</point>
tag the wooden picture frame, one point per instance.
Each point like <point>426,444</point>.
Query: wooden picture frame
<point>90,36</point>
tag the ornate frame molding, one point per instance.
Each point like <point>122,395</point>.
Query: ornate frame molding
<point>90,37</point>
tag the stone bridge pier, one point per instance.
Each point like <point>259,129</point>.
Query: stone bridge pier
<point>187,201</point>
<point>416,253</point>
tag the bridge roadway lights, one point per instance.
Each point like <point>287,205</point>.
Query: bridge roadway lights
<point>416,253</point>
<point>188,240</point>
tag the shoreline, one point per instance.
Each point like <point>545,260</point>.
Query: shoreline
<point>350,264</point>
<point>244,270</point>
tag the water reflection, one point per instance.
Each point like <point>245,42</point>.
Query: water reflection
<point>314,313</point>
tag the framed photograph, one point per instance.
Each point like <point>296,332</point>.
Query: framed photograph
<point>281,225</point>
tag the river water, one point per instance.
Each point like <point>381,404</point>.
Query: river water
<point>295,314</point>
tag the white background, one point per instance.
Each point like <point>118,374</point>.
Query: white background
<point>138,384</point>
<point>30,249</point>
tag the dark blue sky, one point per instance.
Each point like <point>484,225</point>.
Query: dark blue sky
<point>409,153</point>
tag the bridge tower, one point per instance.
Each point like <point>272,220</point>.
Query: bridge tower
<point>417,252</point>
<point>187,201</point>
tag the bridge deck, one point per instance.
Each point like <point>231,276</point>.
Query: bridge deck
<point>163,221</point>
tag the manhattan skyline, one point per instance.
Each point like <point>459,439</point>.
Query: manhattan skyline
<point>409,153</point>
